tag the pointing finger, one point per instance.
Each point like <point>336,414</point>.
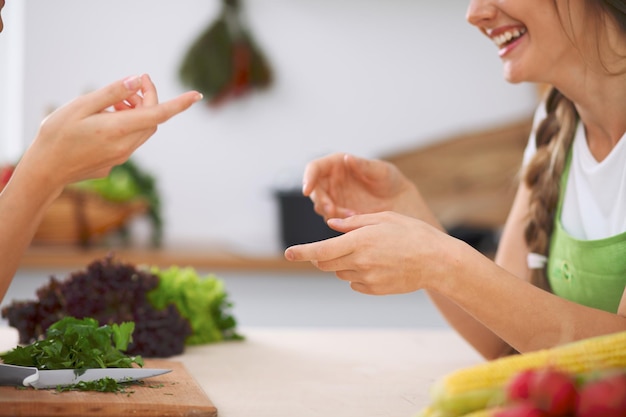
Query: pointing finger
<point>321,251</point>
<point>164,111</point>
<point>149,117</point>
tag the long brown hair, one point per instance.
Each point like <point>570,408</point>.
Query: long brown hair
<point>554,136</point>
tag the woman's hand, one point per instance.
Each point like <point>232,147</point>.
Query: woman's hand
<point>341,185</point>
<point>91,134</point>
<point>382,253</point>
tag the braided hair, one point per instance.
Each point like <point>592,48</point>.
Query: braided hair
<point>554,137</point>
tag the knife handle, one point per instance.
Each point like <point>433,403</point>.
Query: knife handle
<point>17,375</point>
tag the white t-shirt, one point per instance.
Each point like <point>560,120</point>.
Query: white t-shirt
<point>594,205</point>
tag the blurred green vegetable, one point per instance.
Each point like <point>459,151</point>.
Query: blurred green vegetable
<point>225,62</point>
<point>118,186</point>
<point>124,183</point>
<point>203,301</point>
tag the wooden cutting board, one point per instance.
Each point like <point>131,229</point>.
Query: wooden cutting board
<point>173,394</point>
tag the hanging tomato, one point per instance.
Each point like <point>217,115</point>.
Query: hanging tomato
<point>225,62</point>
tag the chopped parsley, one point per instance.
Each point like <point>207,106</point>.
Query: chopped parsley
<point>80,344</point>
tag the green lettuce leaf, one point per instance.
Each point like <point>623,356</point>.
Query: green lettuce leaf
<point>203,301</point>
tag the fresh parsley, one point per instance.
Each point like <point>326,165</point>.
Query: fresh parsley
<point>72,343</point>
<point>101,385</point>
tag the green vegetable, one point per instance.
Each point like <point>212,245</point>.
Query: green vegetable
<point>127,182</point>
<point>101,385</point>
<point>71,343</point>
<point>118,186</point>
<point>225,61</point>
<point>201,300</point>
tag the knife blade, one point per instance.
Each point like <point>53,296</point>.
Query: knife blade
<point>33,377</point>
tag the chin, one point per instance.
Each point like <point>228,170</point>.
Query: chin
<point>513,80</point>
<point>514,75</point>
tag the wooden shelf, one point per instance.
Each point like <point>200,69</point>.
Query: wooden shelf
<point>210,259</point>
<point>469,179</point>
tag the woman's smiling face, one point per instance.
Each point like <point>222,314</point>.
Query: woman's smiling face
<point>534,37</point>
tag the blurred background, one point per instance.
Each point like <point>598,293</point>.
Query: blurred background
<point>369,77</point>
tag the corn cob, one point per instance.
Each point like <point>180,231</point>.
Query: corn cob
<point>431,411</point>
<point>487,412</point>
<point>483,385</point>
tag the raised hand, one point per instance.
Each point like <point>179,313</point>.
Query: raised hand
<point>341,185</point>
<point>91,134</point>
<point>83,139</point>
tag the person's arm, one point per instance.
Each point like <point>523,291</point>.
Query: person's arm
<point>545,318</point>
<point>527,317</point>
<point>342,184</point>
<point>511,255</point>
<point>22,205</point>
<point>388,253</point>
<point>80,140</point>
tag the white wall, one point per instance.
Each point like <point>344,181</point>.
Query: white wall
<point>11,76</point>
<point>364,76</point>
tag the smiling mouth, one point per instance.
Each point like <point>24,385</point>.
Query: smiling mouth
<point>508,37</point>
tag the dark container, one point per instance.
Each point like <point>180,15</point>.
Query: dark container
<point>299,223</point>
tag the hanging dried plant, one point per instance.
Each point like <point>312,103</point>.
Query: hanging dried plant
<point>225,62</point>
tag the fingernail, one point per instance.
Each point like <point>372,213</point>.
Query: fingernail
<point>133,82</point>
<point>199,96</point>
<point>334,222</point>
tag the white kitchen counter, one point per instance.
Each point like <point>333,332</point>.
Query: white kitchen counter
<point>306,372</point>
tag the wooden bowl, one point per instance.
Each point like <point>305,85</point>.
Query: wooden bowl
<point>79,217</point>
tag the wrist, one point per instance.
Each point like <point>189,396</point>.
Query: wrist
<point>411,203</point>
<point>452,267</point>
<point>35,184</point>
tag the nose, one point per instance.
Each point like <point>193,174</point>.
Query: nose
<point>480,11</point>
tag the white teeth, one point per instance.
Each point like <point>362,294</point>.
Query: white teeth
<point>508,36</point>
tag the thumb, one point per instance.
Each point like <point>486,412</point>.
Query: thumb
<point>99,100</point>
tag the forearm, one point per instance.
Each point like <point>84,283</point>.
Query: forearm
<point>481,338</point>
<point>23,203</point>
<point>526,317</point>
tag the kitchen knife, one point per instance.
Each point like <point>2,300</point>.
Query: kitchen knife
<point>33,377</point>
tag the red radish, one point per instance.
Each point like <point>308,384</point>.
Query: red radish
<point>521,409</point>
<point>604,397</point>
<point>553,391</point>
<point>518,386</point>
<point>5,174</point>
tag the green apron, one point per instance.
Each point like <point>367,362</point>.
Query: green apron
<point>588,272</point>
